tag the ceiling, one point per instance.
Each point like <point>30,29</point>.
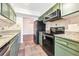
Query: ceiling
<point>34,9</point>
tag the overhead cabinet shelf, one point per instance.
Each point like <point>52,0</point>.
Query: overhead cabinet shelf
<point>7,13</point>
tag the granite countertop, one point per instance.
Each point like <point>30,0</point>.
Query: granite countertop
<point>74,36</point>
<point>6,38</point>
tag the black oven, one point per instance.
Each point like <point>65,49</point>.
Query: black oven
<point>49,39</point>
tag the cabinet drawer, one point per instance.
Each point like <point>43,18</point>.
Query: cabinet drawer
<point>60,50</point>
<point>65,51</point>
<point>61,41</point>
<point>73,45</point>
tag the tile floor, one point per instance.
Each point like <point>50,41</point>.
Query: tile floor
<point>29,48</point>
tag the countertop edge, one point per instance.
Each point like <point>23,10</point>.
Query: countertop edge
<point>9,40</point>
<point>67,38</point>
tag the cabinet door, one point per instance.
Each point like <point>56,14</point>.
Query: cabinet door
<point>14,17</point>
<point>5,10</point>
<point>62,51</point>
<point>15,46</point>
<point>11,14</point>
<point>12,49</point>
<point>56,6</point>
<point>68,8</point>
<point>40,38</point>
<point>64,47</point>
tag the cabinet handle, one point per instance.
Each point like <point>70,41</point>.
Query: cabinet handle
<point>63,43</point>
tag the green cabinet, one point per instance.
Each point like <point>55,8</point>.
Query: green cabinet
<point>12,49</point>
<point>50,11</point>
<point>5,10</point>
<point>55,7</point>
<point>68,8</point>
<point>12,14</point>
<point>60,50</point>
<point>15,46</point>
<point>66,47</point>
<point>40,38</point>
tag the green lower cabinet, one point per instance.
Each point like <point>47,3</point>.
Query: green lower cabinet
<point>62,51</point>
<point>15,46</point>
<point>12,50</point>
<point>40,38</point>
<point>64,47</point>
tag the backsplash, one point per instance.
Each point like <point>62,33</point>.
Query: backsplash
<point>5,25</point>
<point>70,22</point>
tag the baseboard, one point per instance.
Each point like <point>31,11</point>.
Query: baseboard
<point>27,34</point>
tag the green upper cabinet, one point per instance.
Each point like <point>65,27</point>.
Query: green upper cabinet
<point>7,11</point>
<point>51,10</point>
<point>12,15</point>
<point>68,8</point>
<point>54,8</point>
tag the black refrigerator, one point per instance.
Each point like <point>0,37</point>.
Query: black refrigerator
<point>38,26</point>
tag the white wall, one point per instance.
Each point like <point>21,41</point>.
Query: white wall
<point>28,26</point>
<point>19,21</point>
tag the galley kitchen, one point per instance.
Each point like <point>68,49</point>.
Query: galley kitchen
<point>39,29</point>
